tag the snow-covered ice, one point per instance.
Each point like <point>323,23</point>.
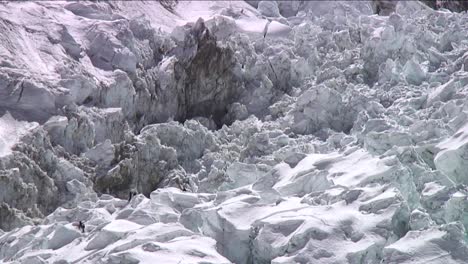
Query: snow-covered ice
<point>233,132</point>
<point>11,131</point>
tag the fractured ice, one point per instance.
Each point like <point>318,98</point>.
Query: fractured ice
<point>252,132</point>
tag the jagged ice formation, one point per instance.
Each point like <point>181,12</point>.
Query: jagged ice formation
<point>253,132</point>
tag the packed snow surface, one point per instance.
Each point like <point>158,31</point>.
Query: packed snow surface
<point>232,132</point>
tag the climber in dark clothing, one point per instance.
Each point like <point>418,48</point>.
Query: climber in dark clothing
<point>81,226</point>
<point>131,194</point>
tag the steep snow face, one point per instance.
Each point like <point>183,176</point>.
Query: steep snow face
<point>259,132</point>
<point>11,131</point>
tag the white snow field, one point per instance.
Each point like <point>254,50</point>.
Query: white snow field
<point>252,132</point>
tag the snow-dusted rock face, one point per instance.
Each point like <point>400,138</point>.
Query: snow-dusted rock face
<point>251,132</point>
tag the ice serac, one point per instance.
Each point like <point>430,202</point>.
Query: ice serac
<point>233,132</point>
<point>429,246</point>
<point>204,76</point>
<point>451,159</point>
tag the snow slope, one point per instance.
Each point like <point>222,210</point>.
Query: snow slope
<point>295,132</point>
<point>11,131</point>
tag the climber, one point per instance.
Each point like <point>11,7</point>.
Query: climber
<point>131,194</point>
<point>81,226</point>
<point>265,30</point>
<point>377,9</point>
<point>180,182</point>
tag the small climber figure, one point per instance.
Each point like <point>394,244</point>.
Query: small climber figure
<point>81,226</point>
<point>377,9</point>
<point>131,194</point>
<point>181,184</point>
<point>265,30</point>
